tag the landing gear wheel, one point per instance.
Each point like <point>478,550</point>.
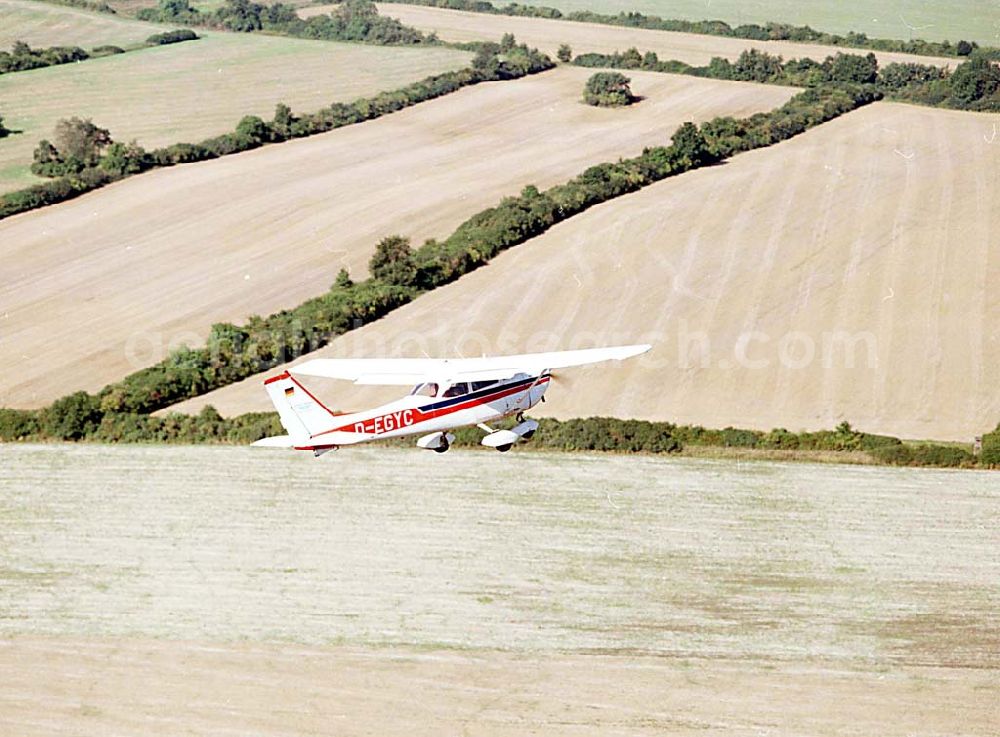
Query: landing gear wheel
<point>505,448</point>
<point>442,448</point>
<point>528,435</point>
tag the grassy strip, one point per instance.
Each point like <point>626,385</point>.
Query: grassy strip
<point>236,352</point>
<point>97,7</point>
<point>79,177</point>
<point>22,57</point>
<point>594,434</point>
<point>974,85</point>
<point>768,32</point>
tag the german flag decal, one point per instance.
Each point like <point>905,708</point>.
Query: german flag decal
<point>289,391</point>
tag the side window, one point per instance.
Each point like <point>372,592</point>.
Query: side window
<point>457,390</point>
<point>477,385</point>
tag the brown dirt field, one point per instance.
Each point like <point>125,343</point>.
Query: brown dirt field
<point>456,25</point>
<point>63,686</point>
<point>880,225</point>
<point>158,258</point>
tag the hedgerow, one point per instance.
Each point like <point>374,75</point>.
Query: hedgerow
<point>974,85</point>
<point>752,31</point>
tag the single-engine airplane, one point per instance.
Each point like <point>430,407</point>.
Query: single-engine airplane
<point>447,393</point>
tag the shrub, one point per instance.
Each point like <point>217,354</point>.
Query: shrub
<point>608,89</point>
<point>17,424</point>
<point>564,53</point>
<point>71,418</point>
<point>393,262</point>
<point>990,455</point>
<point>171,37</point>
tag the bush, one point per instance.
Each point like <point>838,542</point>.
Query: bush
<point>17,424</point>
<point>71,418</point>
<point>564,53</point>
<point>990,455</point>
<point>171,37</point>
<point>393,262</point>
<point>608,89</point>
<point>22,57</point>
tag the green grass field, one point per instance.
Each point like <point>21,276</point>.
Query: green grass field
<point>189,91</point>
<point>977,20</point>
<point>40,24</point>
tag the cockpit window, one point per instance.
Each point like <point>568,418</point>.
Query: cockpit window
<point>429,389</point>
<point>457,390</point>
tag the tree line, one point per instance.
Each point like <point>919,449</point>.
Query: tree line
<point>973,85</point>
<point>352,20</point>
<point>76,418</point>
<point>751,31</point>
<point>22,57</point>
<point>83,157</point>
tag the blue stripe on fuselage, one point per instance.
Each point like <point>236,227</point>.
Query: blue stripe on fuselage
<point>480,393</point>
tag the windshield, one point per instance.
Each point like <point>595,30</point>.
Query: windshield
<point>429,389</point>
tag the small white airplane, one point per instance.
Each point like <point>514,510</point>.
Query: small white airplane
<point>447,393</point>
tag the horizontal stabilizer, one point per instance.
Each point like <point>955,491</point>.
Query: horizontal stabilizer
<point>276,441</point>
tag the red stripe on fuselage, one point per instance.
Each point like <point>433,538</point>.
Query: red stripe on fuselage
<point>434,414</point>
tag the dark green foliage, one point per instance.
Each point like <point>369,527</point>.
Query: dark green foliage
<point>343,280</point>
<point>564,53</point>
<point>71,418</point>
<point>123,159</point>
<point>351,20</point>
<point>171,37</point>
<point>767,32</point>
<point>78,145</point>
<point>4,131</point>
<point>990,455</point>
<point>941,456</point>
<point>393,263</point>
<point>607,434</point>
<point>975,82</point>
<point>18,424</point>
<point>974,85</point>
<point>22,57</point>
<point>608,89</point>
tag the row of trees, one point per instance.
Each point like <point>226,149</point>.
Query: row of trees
<point>352,20</point>
<point>753,31</point>
<point>79,417</point>
<point>974,85</point>
<point>22,57</point>
<point>83,157</point>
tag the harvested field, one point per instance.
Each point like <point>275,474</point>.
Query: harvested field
<point>454,25</point>
<point>193,90</point>
<point>222,591</point>
<point>978,20</point>
<point>847,274</point>
<point>95,288</point>
<point>39,24</point>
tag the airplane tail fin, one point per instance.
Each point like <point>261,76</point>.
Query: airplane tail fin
<point>301,414</point>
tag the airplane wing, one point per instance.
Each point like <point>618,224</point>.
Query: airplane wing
<point>409,371</point>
